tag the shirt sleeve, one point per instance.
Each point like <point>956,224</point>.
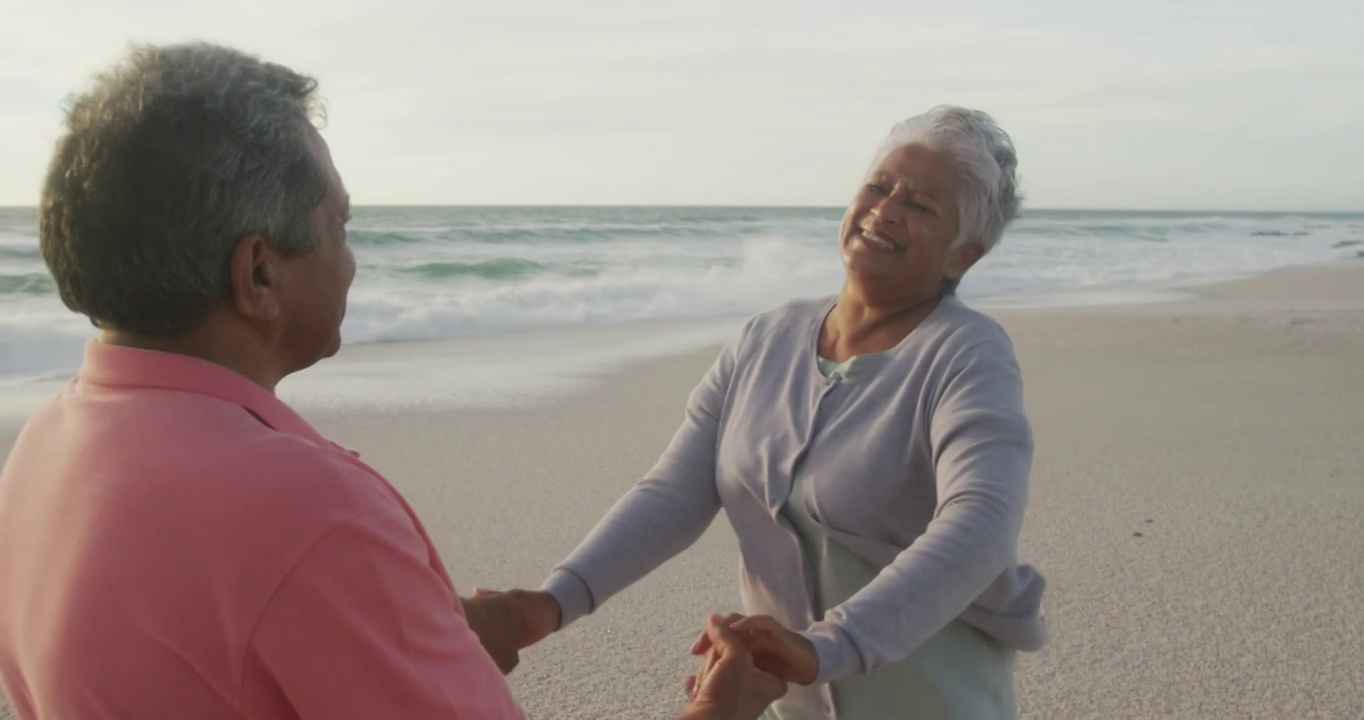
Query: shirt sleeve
<point>659,517</point>
<point>982,452</point>
<point>364,627</point>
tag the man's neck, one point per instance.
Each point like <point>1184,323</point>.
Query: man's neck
<point>204,343</point>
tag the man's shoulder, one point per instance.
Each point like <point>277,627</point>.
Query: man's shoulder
<point>298,487</point>
<point>206,453</point>
<point>281,459</point>
<point>244,450</point>
<point>241,450</point>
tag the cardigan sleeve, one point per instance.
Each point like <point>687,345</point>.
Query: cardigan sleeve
<point>662,515</point>
<point>982,453</point>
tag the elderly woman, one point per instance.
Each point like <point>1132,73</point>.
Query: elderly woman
<point>872,454</point>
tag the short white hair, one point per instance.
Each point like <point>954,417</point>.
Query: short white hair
<point>985,155</point>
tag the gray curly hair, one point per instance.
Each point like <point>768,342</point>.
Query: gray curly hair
<point>167,162</point>
<point>985,155</point>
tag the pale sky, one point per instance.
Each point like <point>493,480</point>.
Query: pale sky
<point>1167,105</point>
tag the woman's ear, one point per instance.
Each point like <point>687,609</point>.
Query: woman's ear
<point>962,257</point>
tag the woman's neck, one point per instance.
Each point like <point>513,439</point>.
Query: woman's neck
<point>862,326</point>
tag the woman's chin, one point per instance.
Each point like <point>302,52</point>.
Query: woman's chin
<point>865,266</point>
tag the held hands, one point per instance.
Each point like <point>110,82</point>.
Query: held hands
<point>748,660</point>
<point>728,686</point>
<point>777,651</point>
<point>509,622</point>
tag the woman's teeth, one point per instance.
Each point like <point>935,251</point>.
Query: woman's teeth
<point>879,241</point>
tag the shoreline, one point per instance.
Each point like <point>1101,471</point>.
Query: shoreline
<point>499,369</point>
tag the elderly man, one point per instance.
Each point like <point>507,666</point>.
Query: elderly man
<point>174,540</point>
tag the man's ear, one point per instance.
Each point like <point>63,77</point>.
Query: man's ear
<point>254,274</point>
<point>963,257</point>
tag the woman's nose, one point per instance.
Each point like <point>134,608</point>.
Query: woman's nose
<point>886,211</point>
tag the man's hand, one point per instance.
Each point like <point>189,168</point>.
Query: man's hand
<point>776,650</point>
<point>729,687</point>
<point>509,622</point>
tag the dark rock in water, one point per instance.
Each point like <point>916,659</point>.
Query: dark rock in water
<point>1346,243</point>
<point>1360,253</point>
<point>1268,233</point>
<point>1137,535</point>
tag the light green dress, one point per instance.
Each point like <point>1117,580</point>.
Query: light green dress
<point>959,673</point>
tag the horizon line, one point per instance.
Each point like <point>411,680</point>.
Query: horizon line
<point>741,206</point>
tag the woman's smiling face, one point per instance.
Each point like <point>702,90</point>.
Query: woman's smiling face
<point>898,233</point>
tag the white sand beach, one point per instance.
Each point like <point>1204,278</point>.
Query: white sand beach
<point>1197,502</point>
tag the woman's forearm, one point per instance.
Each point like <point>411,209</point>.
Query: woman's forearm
<point>928,585</point>
<point>661,515</point>
<point>657,519</point>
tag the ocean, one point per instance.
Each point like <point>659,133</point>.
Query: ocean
<point>445,272</point>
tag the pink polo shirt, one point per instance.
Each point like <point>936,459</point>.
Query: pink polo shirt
<point>175,542</point>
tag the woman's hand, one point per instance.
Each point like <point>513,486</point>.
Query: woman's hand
<point>776,650</point>
<point>729,687</point>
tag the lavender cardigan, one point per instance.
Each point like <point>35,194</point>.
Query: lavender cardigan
<point>918,465</point>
